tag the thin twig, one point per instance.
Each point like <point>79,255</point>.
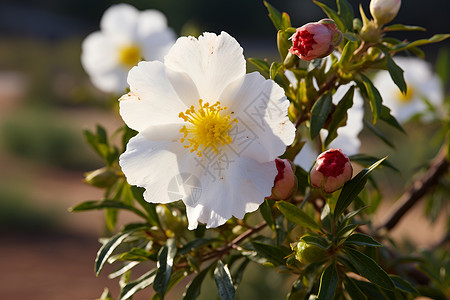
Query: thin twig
<point>418,189</point>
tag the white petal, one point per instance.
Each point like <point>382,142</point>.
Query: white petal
<point>120,22</point>
<point>157,44</point>
<point>263,130</point>
<point>98,53</point>
<point>307,156</point>
<point>152,164</point>
<point>114,81</point>
<point>211,61</point>
<point>235,191</point>
<point>152,100</point>
<point>151,21</point>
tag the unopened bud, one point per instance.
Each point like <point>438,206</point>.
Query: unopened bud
<point>370,30</point>
<point>331,170</point>
<point>103,177</point>
<point>308,253</point>
<point>316,40</point>
<point>285,183</point>
<point>384,11</point>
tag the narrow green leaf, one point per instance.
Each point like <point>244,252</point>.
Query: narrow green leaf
<point>367,160</point>
<point>396,74</point>
<point>346,231</point>
<point>347,53</point>
<point>275,16</point>
<point>400,27</point>
<point>102,136</point>
<point>345,12</point>
<point>275,68</point>
<point>353,290</point>
<point>272,253</point>
<point>141,283</point>
<point>378,133</point>
<point>262,65</point>
<point>331,14</point>
<point>125,268</point>
<point>353,213</point>
<point>150,208</point>
<point>284,42</point>
<point>223,281</point>
<point>96,205</point>
<point>297,216</point>
<point>239,273</point>
<point>285,20</point>
<point>316,240</point>
<point>106,250</point>
<point>165,264</point>
<point>434,39</point>
<point>319,113</point>
<point>351,37</point>
<point>374,97</point>
<point>328,283</point>
<point>361,239</point>
<point>191,245</point>
<point>339,118</point>
<point>193,288</point>
<point>369,269</point>
<point>266,212</point>
<point>352,188</point>
<point>403,285</point>
<point>390,119</point>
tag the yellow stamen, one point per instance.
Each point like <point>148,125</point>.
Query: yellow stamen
<point>405,98</point>
<point>130,55</point>
<point>207,127</point>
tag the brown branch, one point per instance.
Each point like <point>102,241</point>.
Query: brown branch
<point>418,189</point>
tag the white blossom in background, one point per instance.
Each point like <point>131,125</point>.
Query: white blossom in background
<point>126,36</point>
<point>422,84</point>
<point>347,139</point>
<point>208,132</point>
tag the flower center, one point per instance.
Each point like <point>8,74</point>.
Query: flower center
<point>130,55</point>
<point>405,98</point>
<point>306,42</point>
<point>208,127</point>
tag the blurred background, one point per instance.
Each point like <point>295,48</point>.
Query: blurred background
<point>46,100</point>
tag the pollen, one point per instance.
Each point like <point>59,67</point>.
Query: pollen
<point>207,127</point>
<point>130,55</point>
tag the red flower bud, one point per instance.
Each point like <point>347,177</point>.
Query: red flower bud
<point>331,170</point>
<point>315,40</point>
<point>285,183</point>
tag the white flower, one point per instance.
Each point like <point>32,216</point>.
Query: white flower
<point>422,84</point>
<point>208,132</point>
<point>347,139</point>
<point>126,36</point>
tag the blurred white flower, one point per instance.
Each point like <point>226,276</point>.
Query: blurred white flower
<point>208,132</point>
<point>422,84</point>
<point>347,139</point>
<point>126,36</point>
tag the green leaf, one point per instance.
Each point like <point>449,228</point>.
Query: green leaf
<point>194,287</point>
<point>125,268</point>
<point>266,212</point>
<point>165,264</point>
<point>262,65</point>
<point>108,247</point>
<point>331,14</point>
<point>96,205</point>
<point>191,245</point>
<point>285,20</point>
<point>274,254</point>
<point>353,290</point>
<point>328,283</point>
<point>339,118</point>
<point>346,231</point>
<point>352,188</point>
<point>275,16</point>
<point>379,134</point>
<point>347,53</point>
<point>284,42</point>
<point>351,36</point>
<point>403,285</point>
<point>367,160</point>
<point>150,208</point>
<point>369,269</point>
<point>316,240</point>
<point>238,274</point>
<point>390,119</point>
<point>345,12</point>
<point>434,39</point>
<point>141,283</point>
<point>297,216</point>
<point>396,74</point>
<point>138,254</point>
<point>275,68</point>
<point>374,97</point>
<point>401,27</point>
<point>319,114</point>
<point>361,239</point>
<point>223,281</point>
